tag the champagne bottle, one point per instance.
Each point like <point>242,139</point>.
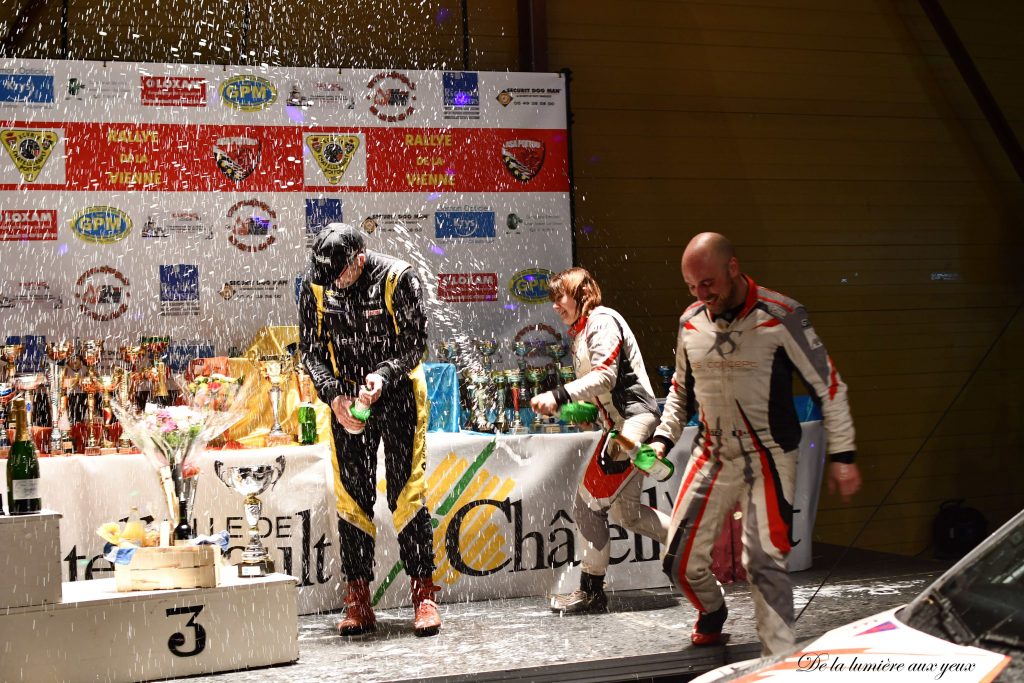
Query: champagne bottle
<point>183,531</point>
<point>22,466</point>
<point>361,411</point>
<point>307,424</point>
<point>643,456</point>
<point>578,412</point>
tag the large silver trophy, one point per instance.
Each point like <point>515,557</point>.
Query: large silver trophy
<point>250,482</point>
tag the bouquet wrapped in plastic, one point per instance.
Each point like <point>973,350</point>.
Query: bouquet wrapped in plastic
<point>170,436</point>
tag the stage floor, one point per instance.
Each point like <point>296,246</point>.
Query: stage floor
<point>644,636</point>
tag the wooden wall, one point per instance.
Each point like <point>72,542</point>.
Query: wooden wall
<point>833,140</point>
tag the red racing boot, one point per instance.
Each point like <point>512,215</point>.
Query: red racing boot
<point>427,621</point>
<point>359,616</point>
<point>708,629</point>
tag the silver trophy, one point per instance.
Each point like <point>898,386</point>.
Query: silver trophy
<point>515,380</point>
<point>58,353</point>
<point>250,482</point>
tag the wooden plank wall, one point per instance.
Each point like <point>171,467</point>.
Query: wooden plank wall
<point>832,140</point>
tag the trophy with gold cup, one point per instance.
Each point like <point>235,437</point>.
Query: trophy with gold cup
<point>91,352</point>
<point>58,354</point>
<point>276,370</point>
<point>250,482</point>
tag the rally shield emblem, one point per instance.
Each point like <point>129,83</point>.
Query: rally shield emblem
<point>29,149</point>
<point>333,153</point>
<point>523,158</point>
<point>237,157</point>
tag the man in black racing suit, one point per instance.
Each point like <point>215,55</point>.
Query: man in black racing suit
<point>363,333</point>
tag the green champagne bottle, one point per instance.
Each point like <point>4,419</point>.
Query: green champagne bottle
<point>22,466</point>
<point>578,412</point>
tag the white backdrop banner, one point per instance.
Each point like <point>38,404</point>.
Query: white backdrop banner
<point>501,508</point>
<point>156,199</point>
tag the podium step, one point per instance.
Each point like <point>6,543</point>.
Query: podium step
<point>97,633</point>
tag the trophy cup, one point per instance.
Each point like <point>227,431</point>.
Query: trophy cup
<point>515,379</point>
<point>108,384</point>
<point>92,351</point>
<point>557,351</point>
<point>666,373</point>
<point>276,370</point>
<point>540,423</point>
<point>250,482</point>
<point>58,353</point>
<point>498,380</point>
<point>448,351</point>
<point>477,402</point>
<point>11,353</point>
<point>487,348</point>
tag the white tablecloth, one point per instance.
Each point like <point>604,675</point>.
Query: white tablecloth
<point>505,511</point>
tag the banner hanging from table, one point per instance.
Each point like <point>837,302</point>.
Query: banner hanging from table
<point>172,199</point>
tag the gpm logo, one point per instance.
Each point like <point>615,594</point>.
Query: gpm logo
<point>101,224</point>
<point>531,285</point>
<point>248,93</point>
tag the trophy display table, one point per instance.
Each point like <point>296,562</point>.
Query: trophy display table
<point>101,634</point>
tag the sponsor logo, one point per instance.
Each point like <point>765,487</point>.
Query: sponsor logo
<point>173,91</point>
<point>463,224</point>
<point>461,95</point>
<point>534,223</point>
<point>392,96</point>
<point>252,290</point>
<point>530,285</point>
<point>523,158</point>
<point>26,88</point>
<point>188,223</point>
<point>333,153</point>
<point>79,89</point>
<point>248,93</point>
<point>467,287</point>
<point>320,213</point>
<point>34,293</point>
<point>28,224</point>
<point>102,293</point>
<point>179,290</point>
<point>327,94</point>
<point>528,97</point>
<point>237,157</point>
<point>724,343</point>
<point>395,222</point>
<point>29,149</point>
<point>251,226</point>
<point>101,224</point>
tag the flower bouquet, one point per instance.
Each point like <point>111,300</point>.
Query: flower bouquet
<point>170,436</point>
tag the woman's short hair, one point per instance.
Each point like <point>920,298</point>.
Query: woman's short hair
<point>581,287</point>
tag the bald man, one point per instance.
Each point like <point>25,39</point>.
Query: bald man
<point>737,349</point>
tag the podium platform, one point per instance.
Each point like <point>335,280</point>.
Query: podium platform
<point>100,634</point>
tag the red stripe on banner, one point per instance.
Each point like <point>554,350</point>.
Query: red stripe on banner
<point>599,484</point>
<point>226,158</point>
<point>778,530</point>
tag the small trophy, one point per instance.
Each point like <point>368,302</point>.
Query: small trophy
<point>557,351</point>
<point>515,379</point>
<point>498,380</point>
<point>448,351</point>
<point>250,482</point>
<point>276,370</point>
<point>487,349</point>
<point>477,389</point>
<point>58,353</point>
<point>521,351</point>
<point>666,373</point>
<point>92,351</point>
<point>108,384</point>
<point>11,353</point>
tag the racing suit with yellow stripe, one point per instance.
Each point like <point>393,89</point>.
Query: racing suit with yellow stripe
<point>736,371</point>
<point>376,325</point>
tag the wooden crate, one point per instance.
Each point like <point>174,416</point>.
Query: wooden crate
<point>168,567</point>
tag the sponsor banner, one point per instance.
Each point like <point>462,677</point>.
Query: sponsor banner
<point>173,158</point>
<point>248,93</point>
<point>403,223</point>
<point>535,223</point>
<point>254,290</point>
<point>101,224</point>
<point>531,285</point>
<point>461,95</point>
<point>173,91</point>
<point>327,93</point>
<point>467,287</point>
<point>179,290</point>
<point>28,225</point>
<point>173,224</point>
<point>392,96</point>
<point>25,89</point>
<point>80,89</point>
<point>458,225</point>
<point>102,293</point>
<point>530,98</point>
<point>32,293</point>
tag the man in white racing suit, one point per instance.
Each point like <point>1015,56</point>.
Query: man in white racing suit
<point>737,348</point>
